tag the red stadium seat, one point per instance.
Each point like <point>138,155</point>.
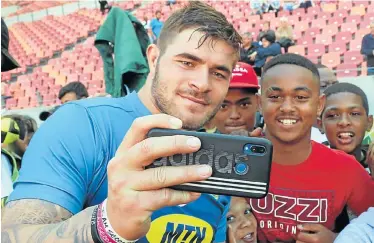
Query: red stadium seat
<point>297,49</point>
<point>355,45</point>
<point>331,60</point>
<point>353,18</point>
<point>319,23</point>
<point>323,39</point>
<point>313,31</point>
<point>330,30</point>
<point>343,37</point>
<point>353,57</point>
<point>298,12</point>
<point>316,50</point>
<point>345,5</point>
<point>361,33</point>
<point>11,103</point>
<point>351,27</point>
<point>23,102</point>
<point>339,47</point>
<point>358,10</point>
<point>342,13</point>
<point>346,70</point>
<point>302,26</point>
<point>306,40</point>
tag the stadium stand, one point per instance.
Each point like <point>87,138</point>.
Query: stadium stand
<point>57,50</point>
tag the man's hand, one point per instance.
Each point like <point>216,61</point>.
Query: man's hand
<point>314,233</point>
<point>134,192</point>
<point>370,158</point>
<point>253,56</point>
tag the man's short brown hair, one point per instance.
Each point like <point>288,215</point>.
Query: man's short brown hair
<point>203,18</point>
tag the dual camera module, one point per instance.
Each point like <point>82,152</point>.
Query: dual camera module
<point>251,149</point>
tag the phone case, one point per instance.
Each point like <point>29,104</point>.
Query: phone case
<point>235,172</point>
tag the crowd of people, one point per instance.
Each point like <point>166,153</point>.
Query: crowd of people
<point>81,176</point>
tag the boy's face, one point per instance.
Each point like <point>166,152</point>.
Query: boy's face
<point>237,112</point>
<point>345,121</point>
<point>290,103</point>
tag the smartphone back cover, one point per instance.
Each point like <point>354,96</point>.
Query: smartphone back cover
<point>235,172</point>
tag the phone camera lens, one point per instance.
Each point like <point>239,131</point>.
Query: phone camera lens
<point>254,149</point>
<point>261,150</point>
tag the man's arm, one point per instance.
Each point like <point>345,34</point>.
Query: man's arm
<point>37,221</point>
<point>365,50</point>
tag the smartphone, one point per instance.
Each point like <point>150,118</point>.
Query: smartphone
<point>241,165</point>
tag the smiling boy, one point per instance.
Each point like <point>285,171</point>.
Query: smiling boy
<point>306,191</point>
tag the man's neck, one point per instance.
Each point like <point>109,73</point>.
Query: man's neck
<point>290,154</point>
<point>358,154</point>
<point>145,96</point>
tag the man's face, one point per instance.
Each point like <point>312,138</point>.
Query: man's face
<point>327,77</point>
<point>289,102</point>
<point>247,41</point>
<point>345,121</point>
<point>189,82</point>
<point>265,43</point>
<point>238,111</point>
<point>158,15</point>
<point>68,97</point>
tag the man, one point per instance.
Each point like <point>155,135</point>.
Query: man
<point>95,150</point>
<point>156,25</point>
<point>367,49</point>
<point>8,161</point>
<point>265,30</point>
<point>247,48</point>
<point>327,78</point>
<point>238,110</point>
<point>72,91</point>
<point>306,191</point>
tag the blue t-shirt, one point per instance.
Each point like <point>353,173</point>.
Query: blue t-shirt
<point>156,26</point>
<point>66,162</point>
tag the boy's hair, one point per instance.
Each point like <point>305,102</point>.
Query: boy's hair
<point>76,87</point>
<point>348,88</point>
<point>203,18</point>
<point>294,59</point>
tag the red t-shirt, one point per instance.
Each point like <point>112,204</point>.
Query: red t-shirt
<point>314,191</point>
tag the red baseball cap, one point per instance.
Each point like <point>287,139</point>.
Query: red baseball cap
<point>244,76</point>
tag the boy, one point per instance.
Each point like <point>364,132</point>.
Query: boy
<point>306,191</point>
<point>238,110</point>
<point>345,120</point>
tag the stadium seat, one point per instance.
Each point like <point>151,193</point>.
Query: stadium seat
<point>306,40</point>
<point>319,23</point>
<point>358,10</point>
<point>355,45</point>
<point>346,70</point>
<point>313,31</point>
<point>353,57</point>
<point>316,50</point>
<point>347,5</point>
<point>324,15</point>
<point>353,19</point>
<point>298,12</point>
<point>314,10</point>
<point>331,60</point>
<point>330,30</point>
<point>329,7</point>
<point>293,19</point>
<point>23,102</point>
<point>343,37</point>
<point>323,39</point>
<point>351,27</point>
<point>302,26</point>
<point>369,16</point>
<point>339,47</point>
<point>361,33</point>
<point>341,13</point>
<point>297,49</point>
<point>11,103</point>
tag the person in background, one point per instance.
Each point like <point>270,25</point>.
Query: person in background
<point>271,6</point>
<point>238,110</point>
<point>156,25</point>
<point>256,6</point>
<point>7,61</point>
<point>104,6</point>
<point>248,47</point>
<point>367,49</point>
<point>290,5</point>
<point>327,78</point>
<point>345,120</point>
<point>284,34</point>
<point>242,224</point>
<point>306,4</point>
<point>269,48</point>
<point>265,30</point>
<point>306,192</point>
<point>72,91</point>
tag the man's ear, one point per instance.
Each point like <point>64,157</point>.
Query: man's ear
<point>320,125</point>
<point>321,105</point>
<point>370,123</point>
<point>153,54</point>
<point>259,104</point>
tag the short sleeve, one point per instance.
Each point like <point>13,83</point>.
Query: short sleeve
<point>59,162</point>
<point>222,226</point>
